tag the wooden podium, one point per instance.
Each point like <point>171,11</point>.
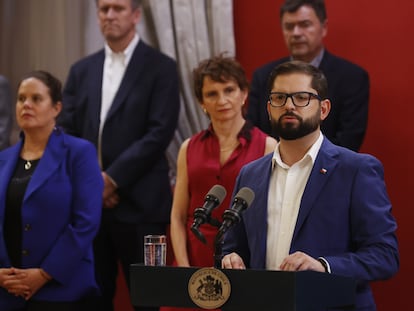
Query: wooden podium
<point>251,290</point>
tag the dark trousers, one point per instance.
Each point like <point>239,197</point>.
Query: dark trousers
<point>119,242</point>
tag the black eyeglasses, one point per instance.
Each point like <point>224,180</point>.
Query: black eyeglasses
<point>299,99</point>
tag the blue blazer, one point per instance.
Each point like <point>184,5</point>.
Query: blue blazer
<point>344,216</point>
<point>6,119</point>
<point>61,209</point>
<point>139,127</point>
<point>348,90</point>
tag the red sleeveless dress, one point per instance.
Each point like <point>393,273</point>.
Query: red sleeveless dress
<point>204,171</point>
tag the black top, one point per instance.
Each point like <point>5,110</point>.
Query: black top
<point>13,216</point>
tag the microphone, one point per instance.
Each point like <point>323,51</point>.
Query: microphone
<point>242,200</point>
<point>202,214</point>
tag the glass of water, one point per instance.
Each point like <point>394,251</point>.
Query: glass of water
<point>155,250</point>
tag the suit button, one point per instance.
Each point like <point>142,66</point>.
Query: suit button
<point>25,252</point>
<point>27,227</point>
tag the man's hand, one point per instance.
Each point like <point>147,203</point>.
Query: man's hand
<point>299,261</point>
<point>232,261</point>
<point>110,197</point>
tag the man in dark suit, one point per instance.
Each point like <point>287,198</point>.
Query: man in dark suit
<point>125,99</point>
<point>5,113</point>
<point>317,206</point>
<point>304,25</point>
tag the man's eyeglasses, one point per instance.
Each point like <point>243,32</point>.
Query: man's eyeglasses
<point>299,99</point>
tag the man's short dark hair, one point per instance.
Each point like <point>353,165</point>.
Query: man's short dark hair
<point>136,4</point>
<point>292,6</point>
<point>318,82</point>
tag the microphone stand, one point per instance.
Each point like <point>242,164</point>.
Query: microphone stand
<point>218,249</point>
<point>218,241</point>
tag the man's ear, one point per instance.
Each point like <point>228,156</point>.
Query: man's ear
<point>268,111</point>
<point>325,108</point>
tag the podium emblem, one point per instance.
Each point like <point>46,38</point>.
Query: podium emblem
<point>209,288</point>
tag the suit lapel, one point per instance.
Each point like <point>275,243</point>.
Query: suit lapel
<point>95,89</point>
<point>257,213</point>
<point>262,199</point>
<point>323,168</point>
<point>52,157</point>
<point>8,162</point>
<point>132,72</point>
<point>325,62</point>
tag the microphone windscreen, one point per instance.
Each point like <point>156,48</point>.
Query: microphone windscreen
<point>218,192</point>
<point>245,194</point>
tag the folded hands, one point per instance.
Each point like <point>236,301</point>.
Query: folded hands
<point>23,282</point>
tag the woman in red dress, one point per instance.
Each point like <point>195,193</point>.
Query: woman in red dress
<point>213,156</point>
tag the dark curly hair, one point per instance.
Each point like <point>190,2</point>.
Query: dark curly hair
<point>220,69</point>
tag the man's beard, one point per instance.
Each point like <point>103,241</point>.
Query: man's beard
<point>289,131</point>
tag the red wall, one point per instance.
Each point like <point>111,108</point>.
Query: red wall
<point>378,36</point>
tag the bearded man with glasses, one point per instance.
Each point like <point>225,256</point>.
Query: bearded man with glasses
<point>317,206</point>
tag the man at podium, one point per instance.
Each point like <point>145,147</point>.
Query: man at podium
<point>317,206</point>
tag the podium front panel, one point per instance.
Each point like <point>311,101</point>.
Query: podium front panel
<point>251,290</point>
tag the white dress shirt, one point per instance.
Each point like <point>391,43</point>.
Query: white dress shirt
<point>114,69</point>
<point>286,187</point>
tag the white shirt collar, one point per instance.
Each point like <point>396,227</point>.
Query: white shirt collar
<point>127,53</point>
<point>317,60</point>
<point>312,153</point>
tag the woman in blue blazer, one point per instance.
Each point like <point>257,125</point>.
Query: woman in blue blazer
<point>50,207</point>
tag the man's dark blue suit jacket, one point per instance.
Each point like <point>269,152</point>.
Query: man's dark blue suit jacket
<point>139,127</point>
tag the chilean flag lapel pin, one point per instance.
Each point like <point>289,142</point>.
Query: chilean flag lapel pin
<point>323,171</point>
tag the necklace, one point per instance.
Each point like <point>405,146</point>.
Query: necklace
<point>230,148</point>
<point>33,155</point>
<point>27,165</point>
